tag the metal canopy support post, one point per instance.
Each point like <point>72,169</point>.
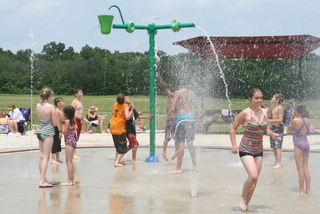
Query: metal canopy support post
<point>203,61</point>
<point>300,79</point>
<point>300,68</point>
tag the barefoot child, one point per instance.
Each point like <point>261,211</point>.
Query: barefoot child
<point>275,118</point>
<point>299,124</point>
<point>131,129</point>
<point>78,106</point>
<point>120,114</point>
<point>45,132</point>
<point>185,105</point>
<point>255,123</point>
<point>56,148</point>
<point>71,138</point>
<point>170,123</point>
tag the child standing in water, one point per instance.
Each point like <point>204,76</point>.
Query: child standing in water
<point>275,118</point>
<point>56,147</point>
<point>131,129</point>
<point>45,132</point>
<point>71,138</point>
<point>255,123</point>
<point>120,114</point>
<point>299,124</point>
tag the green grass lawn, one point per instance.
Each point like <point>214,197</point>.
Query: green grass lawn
<point>105,103</point>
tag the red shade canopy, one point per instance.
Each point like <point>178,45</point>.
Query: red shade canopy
<point>252,47</point>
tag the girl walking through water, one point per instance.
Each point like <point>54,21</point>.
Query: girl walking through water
<point>299,124</point>
<point>255,123</point>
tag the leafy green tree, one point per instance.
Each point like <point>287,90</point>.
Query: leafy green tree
<point>99,72</point>
<point>53,50</point>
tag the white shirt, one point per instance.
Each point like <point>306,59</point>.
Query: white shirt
<point>16,114</point>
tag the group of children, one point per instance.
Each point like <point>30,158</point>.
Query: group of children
<point>254,119</point>
<point>257,122</point>
<point>52,124</point>
<point>66,126</point>
<point>122,127</point>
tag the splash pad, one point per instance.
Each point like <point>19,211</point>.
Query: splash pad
<point>147,188</point>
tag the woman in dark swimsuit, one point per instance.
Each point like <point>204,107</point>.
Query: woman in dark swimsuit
<point>299,124</point>
<point>254,121</point>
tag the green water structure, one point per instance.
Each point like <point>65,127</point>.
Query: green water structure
<point>105,28</point>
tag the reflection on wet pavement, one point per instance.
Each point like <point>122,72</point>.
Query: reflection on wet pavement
<point>148,188</point>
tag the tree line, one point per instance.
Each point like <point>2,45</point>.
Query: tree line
<point>97,71</point>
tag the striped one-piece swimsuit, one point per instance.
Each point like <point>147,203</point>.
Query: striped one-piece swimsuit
<point>252,139</point>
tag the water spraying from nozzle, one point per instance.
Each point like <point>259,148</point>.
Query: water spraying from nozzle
<point>32,60</point>
<point>219,67</point>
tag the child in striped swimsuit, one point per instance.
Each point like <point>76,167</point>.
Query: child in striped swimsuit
<point>251,142</point>
<point>250,149</point>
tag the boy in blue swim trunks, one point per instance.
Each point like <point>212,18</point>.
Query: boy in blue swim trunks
<point>184,104</point>
<point>170,122</point>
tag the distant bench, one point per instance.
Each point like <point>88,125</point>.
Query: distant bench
<point>218,116</point>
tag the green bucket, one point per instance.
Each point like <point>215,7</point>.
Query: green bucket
<point>105,23</point>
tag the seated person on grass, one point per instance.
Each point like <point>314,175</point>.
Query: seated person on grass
<point>6,125</point>
<point>15,116</point>
<point>94,118</point>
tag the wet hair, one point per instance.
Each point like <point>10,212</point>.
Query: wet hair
<point>57,100</point>
<point>69,112</point>
<point>279,97</point>
<point>46,93</point>
<point>301,109</point>
<point>120,98</point>
<point>252,91</point>
<point>76,91</point>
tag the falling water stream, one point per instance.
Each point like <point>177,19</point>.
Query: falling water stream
<point>194,175</point>
<point>32,60</point>
<point>219,67</point>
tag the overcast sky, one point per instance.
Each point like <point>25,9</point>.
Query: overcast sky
<point>75,22</point>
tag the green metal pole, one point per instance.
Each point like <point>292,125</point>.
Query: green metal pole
<point>106,23</point>
<point>152,89</point>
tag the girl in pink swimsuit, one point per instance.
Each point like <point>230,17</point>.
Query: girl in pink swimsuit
<point>71,138</point>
